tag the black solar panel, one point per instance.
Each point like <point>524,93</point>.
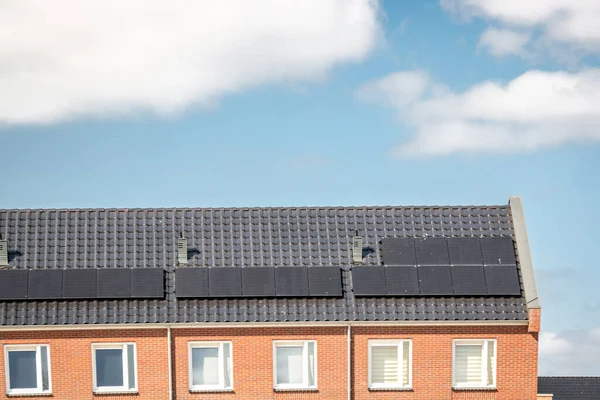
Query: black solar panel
<point>502,280</point>
<point>13,284</point>
<point>468,280</point>
<point>435,281</point>
<point>191,282</point>
<point>225,282</point>
<point>465,251</point>
<point>498,250</point>
<point>432,251</point>
<point>147,283</point>
<point>369,281</point>
<point>79,283</point>
<point>398,251</point>
<point>258,282</point>
<point>45,284</point>
<point>401,281</point>
<point>324,281</point>
<point>113,283</point>
<point>291,281</point>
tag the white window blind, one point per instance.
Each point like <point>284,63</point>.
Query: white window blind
<point>474,363</point>
<point>389,363</point>
<point>295,364</point>
<point>210,365</point>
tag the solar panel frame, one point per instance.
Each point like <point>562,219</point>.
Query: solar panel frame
<point>502,280</point>
<point>291,281</point>
<point>79,283</point>
<point>258,282</point>
<point>435,280</point>
<point>465,251</point>
<point>498,250</point>
<point>147,283</point>
<point>13,284</point>
<point>401,281</point>
<point>325,281</point>
<point>398,251</point>
<point>113,283</point>
<point>44,284</point>
<point>432,251</point>
<point>468,280</point>
<point>369,281</point>
<point>191,282</point>
<point>225,282</point>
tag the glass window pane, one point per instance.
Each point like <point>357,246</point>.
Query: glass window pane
<point>22,369</point>
<point>468,364</point>
<point>205,366</point>
<point>490,364</point>
<point>131,366</point>
<point>109,367</point>
<point>384,364</point>
<point>405,363</point>
<point>227,364</point>
<point>311,364</point>
<point>289,365</point>
<point>45,375</point>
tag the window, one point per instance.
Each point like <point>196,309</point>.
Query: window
<point>114,367</point>
<point>295,365</point>
<point>390,364</point>
<point>27,369</point>
<point>474,363</point>
<point>210,366</point>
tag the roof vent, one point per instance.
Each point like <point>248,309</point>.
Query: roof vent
<point>3,252</point>
<point>182,249</point>
<point>357,249</point>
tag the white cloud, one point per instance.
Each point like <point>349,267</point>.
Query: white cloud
<point>570,353</point>
<point>504,42</point>
<point>67,58</point>
<point>570,23</point>
<point>536,110</point>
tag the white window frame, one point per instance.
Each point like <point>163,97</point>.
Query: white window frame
<point>206,388</point>
<point>38,368</point>
<point>400,345</point>
<point>484,356</point>
<point>116,389</point>
<point>295,343</point>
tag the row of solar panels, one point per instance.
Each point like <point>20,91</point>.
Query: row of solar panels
<point>448,251</point>
<point>458,280</point>
<point>89,284</point>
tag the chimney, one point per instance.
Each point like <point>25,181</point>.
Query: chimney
<point>357,248</point>
<point>182,248</point>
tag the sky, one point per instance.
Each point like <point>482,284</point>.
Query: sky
<point>321,102</point>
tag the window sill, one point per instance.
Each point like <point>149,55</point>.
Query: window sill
<point>298,389</point>
<point>113,392</point>
<point>31,394</point>
<point>390,389</point>
<point>473,389</point>
<point>211,390</point>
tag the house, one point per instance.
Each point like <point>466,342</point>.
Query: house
<point>569,388</point>
<point>307,303</point>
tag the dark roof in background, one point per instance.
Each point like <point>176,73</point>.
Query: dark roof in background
<point>570,387</point>
<point>312,236</point>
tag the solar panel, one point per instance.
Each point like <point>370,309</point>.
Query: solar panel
<point>147,283</point>
<point>432,251</point>
<point>325,281</point>
<point>398,251</point>
<point>191,282</point>
<point>435,281</point>
<point>401,281</point>
<point>113,283</point>
<point>498,250</point>
<point>44,284</point>
<point>225,282</point>
<point>369,281</point>
<point>468,280</point>
<point>291,281</point>
<point>502,280</point>
<point>13,284</point>
<point>465,251</point>
<point>79,284</point>
<point>258,281</point>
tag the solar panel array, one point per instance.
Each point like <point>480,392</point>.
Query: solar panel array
<point>228,282</point>
<point>434,266</point>
<point>88,284</point>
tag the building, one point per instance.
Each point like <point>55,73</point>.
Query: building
<point>324,303</point>
<point>569,387</point>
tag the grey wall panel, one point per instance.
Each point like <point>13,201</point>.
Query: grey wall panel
<point>258,282</point>
<point>398,251</point>
<point>465,251</point>
<point>13,284</point>
<point>468,280</point>
<point>502,280</point>
<point>435,281</point>
<point>45,284</point>
<point>368,281</point>
<point>191,282</point>
<point>432,251</point>
<point>291,281</point>
<point>113,283</point>
<point>498,250</point>
<point>225,282</point>
<point>402,281</point>
<point>325,281</point>
<point>147,283</point>
<point>79,283</point>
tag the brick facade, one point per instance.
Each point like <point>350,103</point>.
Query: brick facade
<point>71,371</point>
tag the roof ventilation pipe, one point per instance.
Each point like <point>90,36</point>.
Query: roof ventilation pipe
<point>357,249</point>
<point>3,252</point>
<point>182,251</point>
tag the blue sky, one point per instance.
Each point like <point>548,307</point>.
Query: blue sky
<point>310,136</point>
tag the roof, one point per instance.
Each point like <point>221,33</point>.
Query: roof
<point>570,387</point>
<point>90,238</point>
